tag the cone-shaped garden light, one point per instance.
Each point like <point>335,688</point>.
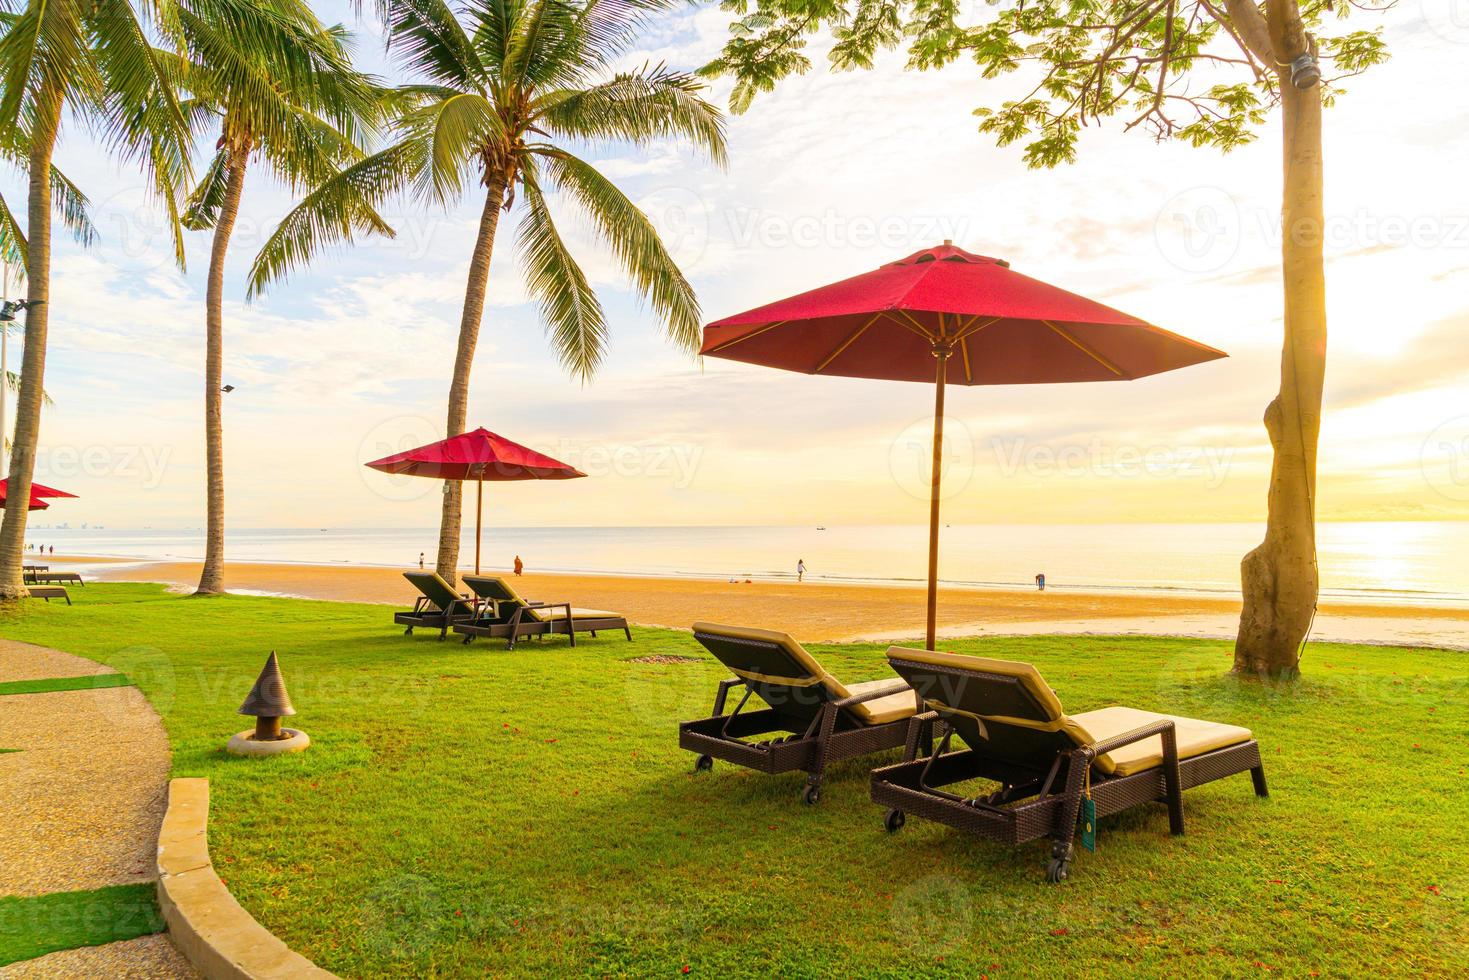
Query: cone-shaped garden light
<point>268,702</point>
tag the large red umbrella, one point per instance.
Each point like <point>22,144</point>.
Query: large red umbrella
<point>38,493</point>
<point>947,316</point>
<point>479,456</point>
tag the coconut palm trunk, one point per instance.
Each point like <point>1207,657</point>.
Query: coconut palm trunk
<point>450,522</point>
<point>1280,577</point>
<point>33,364</point>
<point>211,581</point>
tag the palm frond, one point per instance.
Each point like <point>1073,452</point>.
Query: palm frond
<point>453,132</point>
<point>637,107</point>
<point>142,120</point>
<point>342,207</point>
<point>632,238</point>
<point>73,207</point>
<point>44,48</point>
<point>201,210</point>
<point>427,36</point>
<point>569,306</point>
<point>12,238</point>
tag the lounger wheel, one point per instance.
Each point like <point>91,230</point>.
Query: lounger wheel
<point>704,763</point>
<point>894,821</point>
<point>408,631</point>
<point>811,795</point>
<point>1060,867</point>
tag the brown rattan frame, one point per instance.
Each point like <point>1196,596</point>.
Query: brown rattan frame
<point>429,614</point>
<point>1032,803</point>
<point>488,619</point>
<point>834,734</point>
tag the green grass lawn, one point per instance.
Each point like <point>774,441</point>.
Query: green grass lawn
<point>35,926</point>
<point>464,811</point>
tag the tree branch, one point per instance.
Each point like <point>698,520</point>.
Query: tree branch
<point>1248,25</point>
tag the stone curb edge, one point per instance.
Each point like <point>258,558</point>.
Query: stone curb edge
<point>211,929</point>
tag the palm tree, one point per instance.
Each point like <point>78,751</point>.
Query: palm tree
<point>74,210</point>
<point>273,81</point>
<point>94,58</point>
<point>510,84</point>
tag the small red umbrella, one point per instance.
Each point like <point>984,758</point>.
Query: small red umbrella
<point>947,316</point>
<point>38,492</point>
<point>479,456</point>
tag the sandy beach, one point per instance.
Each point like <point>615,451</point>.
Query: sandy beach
<point>821,611</point>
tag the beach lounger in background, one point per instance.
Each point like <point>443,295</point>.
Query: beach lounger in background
<point>56,578</point>
<point>501,613</point>
<point>438,606</point>
<point>28,572</point>
<point>817,720</point>
<point>49,592</point>
<point>1038,762</point>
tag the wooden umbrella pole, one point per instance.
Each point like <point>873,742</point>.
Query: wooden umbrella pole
<point>479,515</point>
<point>942,356</point>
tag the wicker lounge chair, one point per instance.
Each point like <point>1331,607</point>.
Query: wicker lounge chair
<point>1040,763</point>
<point>438,606</point>
<point>49,592</point>
<point>501,613</point>
<point>816,719</point>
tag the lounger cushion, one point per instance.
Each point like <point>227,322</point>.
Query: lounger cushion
<point>1195,737</point>
<point>894,707</point>
<point>554,613</point>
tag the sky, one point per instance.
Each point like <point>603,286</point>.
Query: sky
<point>830,176</point>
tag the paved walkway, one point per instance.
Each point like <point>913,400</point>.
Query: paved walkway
<point>84,799</point>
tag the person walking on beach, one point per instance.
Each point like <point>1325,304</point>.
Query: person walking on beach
<point>420,561</point>
<point>519,565</point>
<point>800,569</point>
<point>1040,582</point>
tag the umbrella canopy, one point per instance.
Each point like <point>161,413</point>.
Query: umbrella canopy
<point>947,316</point>
<point>38,493</point>
<point>479,455</point>
<point>998,327</point>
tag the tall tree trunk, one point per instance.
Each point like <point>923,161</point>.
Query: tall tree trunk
<point>211,581</point>
<point>1280,577</point>
<point>33,364</point>
<point>469,321</point>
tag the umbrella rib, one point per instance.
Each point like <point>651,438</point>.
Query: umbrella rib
<point>842,347</point>
<point>964,350</point>
<point>965,330</point>
<point>914,326</point>
<point>743,337</point>
<point>1087,350</point>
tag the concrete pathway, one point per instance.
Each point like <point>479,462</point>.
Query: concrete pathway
<point>84,796</point>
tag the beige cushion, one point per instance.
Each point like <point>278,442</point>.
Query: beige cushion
<point>894,707</point>
<point>553,614</point>
<point>1194,738</point>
